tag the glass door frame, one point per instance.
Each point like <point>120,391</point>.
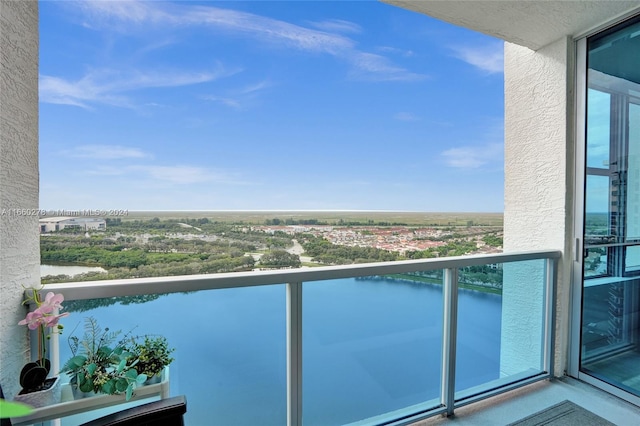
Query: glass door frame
<point>580,169</point>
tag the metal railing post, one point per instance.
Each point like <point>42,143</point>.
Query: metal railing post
<point>294,354</point>
<point>551,278</point>
<point>449,336</point>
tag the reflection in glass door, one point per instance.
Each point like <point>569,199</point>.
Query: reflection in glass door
<point>610,332</point>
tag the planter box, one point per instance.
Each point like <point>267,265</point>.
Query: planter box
<point>42,398</point>
<point>68,406</point>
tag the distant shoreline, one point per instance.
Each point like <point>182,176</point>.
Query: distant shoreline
<point>332,216</point>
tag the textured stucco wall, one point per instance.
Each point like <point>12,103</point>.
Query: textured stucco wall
<point>538,183</point>
<point>531,23</point>
<point>19,239</point>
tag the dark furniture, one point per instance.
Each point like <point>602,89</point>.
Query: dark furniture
<point>165,412</point>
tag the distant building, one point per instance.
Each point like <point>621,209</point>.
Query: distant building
<point>52,224</point>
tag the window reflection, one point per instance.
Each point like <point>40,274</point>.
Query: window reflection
<point>611,291</point>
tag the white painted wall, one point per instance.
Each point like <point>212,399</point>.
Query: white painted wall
<point>19,239</point>
<point>538,187</point>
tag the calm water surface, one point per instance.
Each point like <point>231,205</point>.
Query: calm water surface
<point>369,347</point>
<point>70,270</point>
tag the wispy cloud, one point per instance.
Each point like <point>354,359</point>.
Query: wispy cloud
<point>473,157</point>
<point>106,152</point>
<point>267,29</point>
<point>240,98</point>
<point>337,25</point>
<point>326,40</point>
<point>173,175</point>
<point>106,86</point>
<point>394,50</point>
<point>406,116</point>
<point>372,67</point>
<point>488,58</point>
<point>106,171</point>
<point>99,12</point>
<point>181,174</point>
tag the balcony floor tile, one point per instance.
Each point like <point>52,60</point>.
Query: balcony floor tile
<point>510,407</point>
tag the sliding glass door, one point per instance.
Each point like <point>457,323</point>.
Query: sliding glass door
<point>610,305</point>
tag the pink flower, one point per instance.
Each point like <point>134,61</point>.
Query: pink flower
<point>33,320</point>
<point>43,314</point>
<point>51,302</point>
<point>52,320</point>
<point>43,317</point>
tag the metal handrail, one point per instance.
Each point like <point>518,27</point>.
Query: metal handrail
<point>176,284</point>
<point>293,280</point>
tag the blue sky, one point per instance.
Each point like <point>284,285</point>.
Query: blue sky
<point>290,105</point>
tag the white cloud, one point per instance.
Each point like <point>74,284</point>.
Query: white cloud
<point>181,174</point>
<point>106,86</point>
<point>230,102</point>
<point>402,52</point>
<point>372,67</point>
<point>240,98</point>
<point>106,171</point>
<point>488,58</point>
<point>129,11</point>
<point>112,13</point>
<point>267,29</point>
<point>473,157</point>
<point>276,32</point>
<point>159,174</point>
<point>256,87</point>
<point>136,172</point>
<point>337,25</point>
<point>105,152</point>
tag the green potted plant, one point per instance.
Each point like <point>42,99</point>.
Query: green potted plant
<point>100,364</point>
<point>153,355</point>
<point>37,389</point>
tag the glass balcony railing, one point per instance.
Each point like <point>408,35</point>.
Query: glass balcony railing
<point>357,344</point>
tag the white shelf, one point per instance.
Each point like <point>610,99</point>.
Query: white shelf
<point>98,401</point>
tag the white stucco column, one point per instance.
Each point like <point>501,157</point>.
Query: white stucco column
<point>19,239</point>
<point>539,185</point>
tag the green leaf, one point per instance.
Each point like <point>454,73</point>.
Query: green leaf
<point>91,368</point>
<point>131,374</point>
<point>104,351</point>
<point>121,385</point>
<point>141,378</point>
<point>76,362</point>
<point>123,363</point>
<point>13,409</point>
<point>129,392</point>
<point>109,387</point>
<point>86,386</point>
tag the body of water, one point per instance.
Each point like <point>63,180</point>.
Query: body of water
<point>369,347</point>
<point>70,270</point>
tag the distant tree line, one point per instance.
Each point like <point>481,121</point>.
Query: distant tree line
<point>280,259</point>
<point>325,252</point>
<point>458,247</point>
<point>493,240</point>
<point>150,248</point>
<point>340,222</point>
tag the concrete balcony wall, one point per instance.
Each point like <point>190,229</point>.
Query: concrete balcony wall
<point>19,240</point>
<point>539,181</point>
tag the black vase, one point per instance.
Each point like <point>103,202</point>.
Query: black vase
<point>33,375</point>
